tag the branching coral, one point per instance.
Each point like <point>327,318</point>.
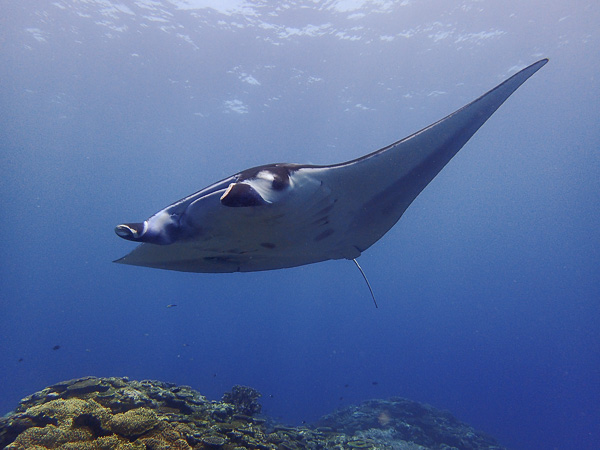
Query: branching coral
<point>244,398</point>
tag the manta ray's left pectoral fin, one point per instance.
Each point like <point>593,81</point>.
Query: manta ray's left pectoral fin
<point>242,194</point>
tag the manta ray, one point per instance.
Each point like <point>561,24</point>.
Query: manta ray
<point>285,215</point>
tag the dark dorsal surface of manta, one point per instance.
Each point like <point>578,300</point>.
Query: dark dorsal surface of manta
<point>285,215</point>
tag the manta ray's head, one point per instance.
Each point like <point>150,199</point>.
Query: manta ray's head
<point>162,228</point>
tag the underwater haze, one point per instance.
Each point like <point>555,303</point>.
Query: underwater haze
<point>488,287</point>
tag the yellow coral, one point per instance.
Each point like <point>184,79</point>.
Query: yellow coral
<point>49,437</point>
<point>133,422</point>
<point>65,410</point>
<point>166,436</point>
<point>156,443</point>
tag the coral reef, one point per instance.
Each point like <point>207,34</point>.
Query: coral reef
<point>397,420</point>
<point>116,413</point>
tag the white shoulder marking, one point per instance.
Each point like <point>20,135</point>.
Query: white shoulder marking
<point>158,222</point>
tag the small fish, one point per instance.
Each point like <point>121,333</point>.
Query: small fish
<point>375,383</point>
<point>172,305</point>
<point>56,347</point>
<point>20,359</point>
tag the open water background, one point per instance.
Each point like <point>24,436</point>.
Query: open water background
<point>489,286</point>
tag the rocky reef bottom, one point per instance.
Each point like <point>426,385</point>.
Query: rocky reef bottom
<point>116,413</point>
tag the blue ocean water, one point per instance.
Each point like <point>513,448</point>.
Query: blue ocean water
<point>488,287</point>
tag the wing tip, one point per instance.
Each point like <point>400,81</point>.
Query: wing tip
<point>530,69</point>
<point>539,64</point>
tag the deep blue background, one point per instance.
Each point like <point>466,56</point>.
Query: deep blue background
<point>489,286</point>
